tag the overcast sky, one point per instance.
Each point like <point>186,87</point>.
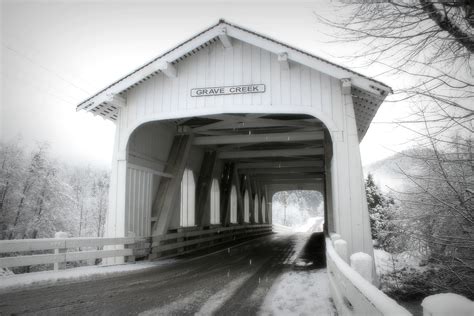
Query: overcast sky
<point>57,53</point>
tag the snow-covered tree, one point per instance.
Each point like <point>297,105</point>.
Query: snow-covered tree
<point>381,213</point>
<point>40,196</point>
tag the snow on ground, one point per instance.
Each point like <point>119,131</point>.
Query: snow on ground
<point>299,293</point>
<point>312,225</point>
<point>448,304</point>
<point>387,262</point>
<point>18,281</point>
<point>175,307</point>
<point>219,298</point>
<point>281,229</point>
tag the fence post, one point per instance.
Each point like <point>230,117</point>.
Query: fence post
<point>334,237</point>
<point>447,304</point>
<point>362,263</point>
<point>340,246</point>
<point>60,265</point>
<point>131,246</point>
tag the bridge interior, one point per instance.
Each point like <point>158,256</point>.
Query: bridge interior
<point>255,155</point>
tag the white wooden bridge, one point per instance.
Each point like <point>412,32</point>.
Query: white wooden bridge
<point>208,132</point>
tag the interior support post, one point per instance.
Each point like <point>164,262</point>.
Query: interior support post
<point>226,187</point>
<point>168,191</point>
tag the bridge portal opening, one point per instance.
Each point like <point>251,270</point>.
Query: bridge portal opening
<point>225,170</point>
<point>298,211</point>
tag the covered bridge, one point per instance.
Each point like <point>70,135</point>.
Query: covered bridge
<point>207,132</point>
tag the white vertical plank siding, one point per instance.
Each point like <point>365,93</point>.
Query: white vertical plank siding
<point>183,72</point>
<point>327,106</point>
<point>295,84</point>
<point>228,72</point>
<point>285,85</point>
<point>220,71</point>
<point>139,200</point>
<point>238,69</point>
<point>247,71</point>
<point>256,73</point>
<point>275,83</point>
<point>266,75</point>
<point>305,81</point>
<point>316,90</point>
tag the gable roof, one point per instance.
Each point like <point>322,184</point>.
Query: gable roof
<point>373,91</point>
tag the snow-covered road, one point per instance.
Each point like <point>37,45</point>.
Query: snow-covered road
<point>262,277</point>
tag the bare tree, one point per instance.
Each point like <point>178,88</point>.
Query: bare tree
<point>429,46</point>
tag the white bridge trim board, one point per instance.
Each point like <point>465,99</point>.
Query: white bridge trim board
<point>259,138</point>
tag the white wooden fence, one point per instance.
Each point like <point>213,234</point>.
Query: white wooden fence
<point>24,252</point>
<point>62,248</point>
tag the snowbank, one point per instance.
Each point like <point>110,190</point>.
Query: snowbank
<point>386,262</point>
<point>18,281</point>
<point>448,304</point>
<point>299,293</point>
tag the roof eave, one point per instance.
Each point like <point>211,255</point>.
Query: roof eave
<point>156,65</point>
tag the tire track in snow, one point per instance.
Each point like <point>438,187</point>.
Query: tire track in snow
<point>219,298</point>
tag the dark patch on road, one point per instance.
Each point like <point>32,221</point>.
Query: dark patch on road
<point>313,253</point>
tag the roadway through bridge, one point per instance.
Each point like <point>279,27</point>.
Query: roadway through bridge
<point>233,281</point>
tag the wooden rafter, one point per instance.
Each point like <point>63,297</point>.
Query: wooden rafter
<point>271,153</point>
<point>277,171</point>
<point>281,164</point>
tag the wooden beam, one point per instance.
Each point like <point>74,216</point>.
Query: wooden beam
<point>271,153</point>
<point>278,177</point>
<point>168,69</point>
<point>145,160</point>
<point>169,188</point>
<point>283,59</point>
<point>258,138</point>
<point>281,164</point>
<point>225,40</point>
<point>228,121</point>
<point>275,187</point>
<point>277,171</point>
<point>289,181</point>
<point>150,170</point>
<point>346,86</point>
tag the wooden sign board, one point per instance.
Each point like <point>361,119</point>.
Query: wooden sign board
<point>213,91</point>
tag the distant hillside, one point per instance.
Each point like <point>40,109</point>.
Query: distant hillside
<point>388,172</point>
